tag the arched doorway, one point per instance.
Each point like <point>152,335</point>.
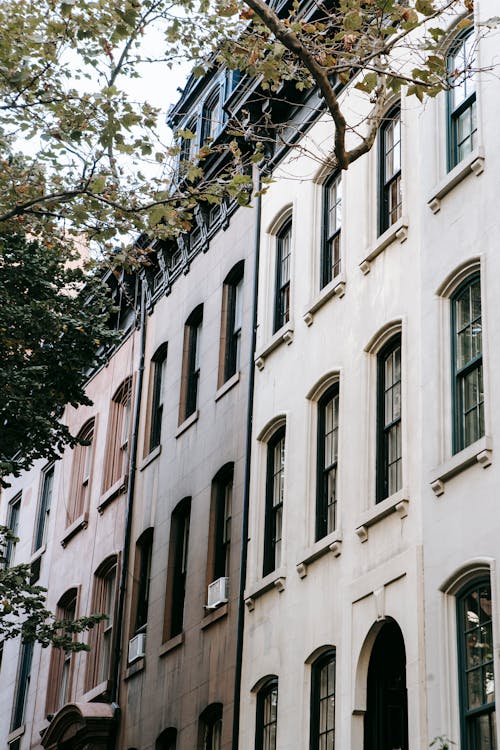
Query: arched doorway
<point>386,717</point>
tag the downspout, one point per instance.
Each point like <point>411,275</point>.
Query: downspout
<point>246,486</point>
<point>120,609</point>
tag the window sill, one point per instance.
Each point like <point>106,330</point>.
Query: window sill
<point>15,734</point>
<point>397,503</point>
<point>479,452</point>
<point>474,164</point>
<point>283,336</point>
<point>398,231</point>
<point>38,553</point>
<point>336,288</point>
<point>135,668</point>
<point>187,423</point>
<point>225,387</point>
<point>274,580</point>
<point>329,543</point>
<point>80,523</point>
<point>118,488</point>
<point>214,616</point>
<point>171,644</point>
<point>150,457</point>
<point>99,691</point>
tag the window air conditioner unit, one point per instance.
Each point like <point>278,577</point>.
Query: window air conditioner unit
<point>136,647</point>
<point>217,592</point>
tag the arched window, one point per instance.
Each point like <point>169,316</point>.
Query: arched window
<point>231,323</point>
<point>282,286</point>
<point>79,493</point>
<point>118,436</point>
<point>462,111</point>
<point>157,383</point>
<point>475,658</point>
<point>275,496</point>
<point>60,671</point>
<point>332,223</point>
<point>210,728</point>
<point>327,452</point>
<point>323,702</point>
<point>191,364</point>
<point>177,569</point>
<point>390,196</point>
<point>267,716</point>
<point>219,543</point>
<point>389,438</point>
<point>104,593</point>
<point>167,739</point>
<point>467,363</point>
<point>142,575</point>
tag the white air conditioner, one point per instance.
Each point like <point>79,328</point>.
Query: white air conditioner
<point>217,592</point>
<point>136,647</point>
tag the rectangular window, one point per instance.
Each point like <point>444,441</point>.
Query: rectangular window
<point>332,223</point>
<point>462,114</point>
<point>467,364</point>
<point>476,656</point>
<point>390,171</point>
<point>323,703</point>
<point>22,687</point>
<point>44,507</point>
<point>326,498</point>
<point>389,456</point>
<point>282,291</point>
<point>210,121</point>
<point>13,524</point>
<point>275,495</point>
<point>177,569</point>
<point>191,364</point>
<point>158,363</point>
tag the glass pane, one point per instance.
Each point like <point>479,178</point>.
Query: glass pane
<point>474,691</point>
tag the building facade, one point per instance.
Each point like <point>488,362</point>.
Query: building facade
<point>370,591</point>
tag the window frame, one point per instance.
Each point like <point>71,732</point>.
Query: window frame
<point>388,214</point>
<point>325,660</point>
<point>458,376</point>
<point>81,473</point>
<point>273,524</point>
<point>265,692</point>
<point>191,367</point>
<point>210,720</point>
<point>22,685</point>
<point>142,581</point>
<point>469,103</point>
<point>101,637</point>
<point>383,463</point>
<point>59,690</point>
<point>118,435</point>
<point>158,366</point>
<point>178,560</point>
<point>14,513</point>
<point>282,308</point>
<point>210,127</point>
<point>322,526</point>
<point>231,324</point>
<point>219,550</point>
<point>44,504</point>
<point>331,260</point>
<point>468,715</point>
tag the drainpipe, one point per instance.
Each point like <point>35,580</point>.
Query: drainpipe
<point>120,609</point>
<point>246,486</point>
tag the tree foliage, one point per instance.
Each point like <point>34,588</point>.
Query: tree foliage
<point>23,611</point>
<point>53,327</point>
